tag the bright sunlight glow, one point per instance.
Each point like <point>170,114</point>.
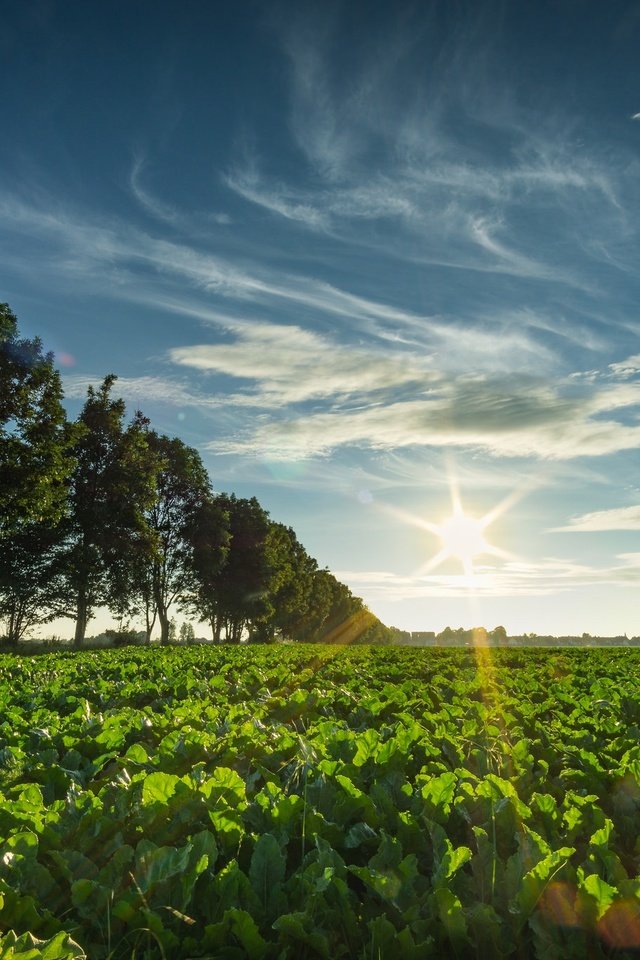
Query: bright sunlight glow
<point>462,537</point>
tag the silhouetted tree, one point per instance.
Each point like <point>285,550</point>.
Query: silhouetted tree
<point>112,484</point>
<point>35,463</point>
<point>181,500</point>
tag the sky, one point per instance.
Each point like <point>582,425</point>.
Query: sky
<point>376,261</point>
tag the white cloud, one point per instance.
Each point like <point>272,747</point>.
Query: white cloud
<point>502,418</point>
<point>154,206</point>
<point>625,369</point>
<point>618,518</point>
<point>142,389</point>
<point>278,200</point>
<point>546,577</point>
<point>379,144</point>
<point>290,365</point>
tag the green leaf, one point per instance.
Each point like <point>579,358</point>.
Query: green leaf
<point>266,873</point>
<point>156,864</point>
<point>225,785</point>
<point>534,882</point>
<point>438,792</point>
<point>292,929</point>
<point>367,745</point>
<point>450,861</point>
<point>137,754</point>
<point>27,947</point>
<point>244,929</point>
<point>159,787</point>
<point>598,890</point>
<point>452,916</point>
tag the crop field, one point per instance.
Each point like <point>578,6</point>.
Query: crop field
<point>277,803</point>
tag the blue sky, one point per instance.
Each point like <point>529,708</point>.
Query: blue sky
<point>367,258</point>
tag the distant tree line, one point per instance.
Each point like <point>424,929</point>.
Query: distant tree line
<point>498,637</point>
<point>107,513</point>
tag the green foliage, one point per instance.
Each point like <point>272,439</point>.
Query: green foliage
<point>107,514</point>
<point>113,481</point>
<point>302,801</point>
<point>34,434</point>
<point>35,463</point>
<point>178,513</point>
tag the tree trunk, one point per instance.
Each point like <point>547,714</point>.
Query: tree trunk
<point>12,628</point>
<point>163,617</point>
<point>149,622</point>
<point>82,618</point>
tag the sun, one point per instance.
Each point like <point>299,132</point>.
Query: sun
<point>463,538</point>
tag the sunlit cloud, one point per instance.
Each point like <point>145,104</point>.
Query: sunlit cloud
<point>618,518</point>
<point>512,579</point>
<point>141,390</point>
<point>291,365</point>
<point>626,368</point>
<point>504,418</point>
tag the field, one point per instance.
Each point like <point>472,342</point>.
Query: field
<point>313,802</point>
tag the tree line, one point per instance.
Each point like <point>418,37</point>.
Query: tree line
<point>105,512</point>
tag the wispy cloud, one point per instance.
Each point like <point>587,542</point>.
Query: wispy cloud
<point>546,577</point>
<point>618,518</point>
<point>146,389</point>
<point>290,365</point>
<point>116,255</point>
<point>277,199</point>
<point>79,245</point>
<point>625,369</point>
<point>381,144</point>
<point>153,205</point>
<point>504,418</point>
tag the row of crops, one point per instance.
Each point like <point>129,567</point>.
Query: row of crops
<point>307,802</point>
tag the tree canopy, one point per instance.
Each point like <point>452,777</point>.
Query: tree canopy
<point>107,513</point>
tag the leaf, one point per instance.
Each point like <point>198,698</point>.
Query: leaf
<point>534,882</point>
<point>27,947</point>
<point>438,792</point>
<point>367,745</point>
<point>154,864</point>
<point>358,834</point>
<point>267,872</point>
<point>225,785</point>
<point>291,927</point>
<point>231,887</point>
<point>598,890</point>
<point>452,916</point>
<point>159,787</point>
<point>137,754</point>
<point>450,861</point>
<point>244,929</point>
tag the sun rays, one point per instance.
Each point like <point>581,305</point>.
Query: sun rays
<point>464,538</point>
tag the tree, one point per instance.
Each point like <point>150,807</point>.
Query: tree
<point>235,596</point>
<point>26,578</point>
<point>112,484</point>
<point>182,503</point>
<point>35,438</point>
<point>35,464</point>
<point>187,633</point>
<point>498,635</point>
<point>289,587</point>
<point>209,537</point>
